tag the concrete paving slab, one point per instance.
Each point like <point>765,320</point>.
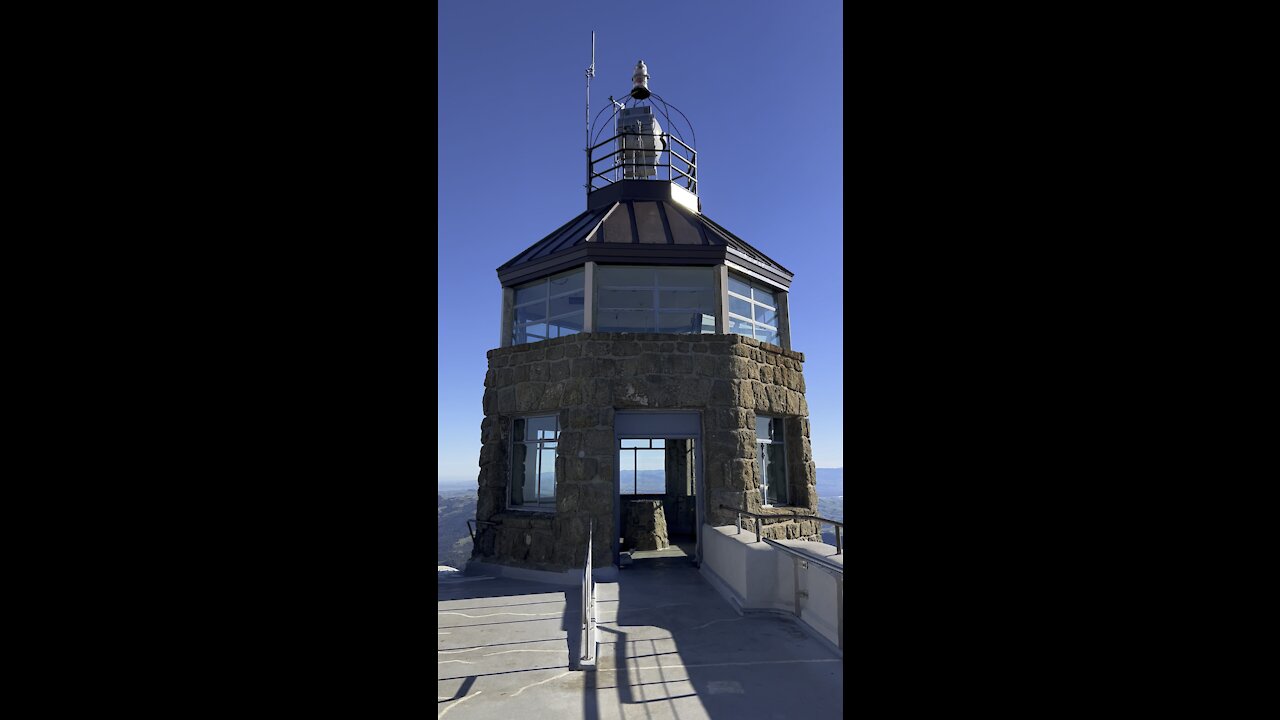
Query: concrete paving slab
<point>670,647</point>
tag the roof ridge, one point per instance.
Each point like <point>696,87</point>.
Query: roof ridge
<point>720,228</point>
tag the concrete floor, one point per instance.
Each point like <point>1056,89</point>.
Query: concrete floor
<point>679,548</point>
<point>669,647</point>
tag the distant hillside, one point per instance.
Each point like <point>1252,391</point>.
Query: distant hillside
<point>455,507</point>
<point>831,501</point>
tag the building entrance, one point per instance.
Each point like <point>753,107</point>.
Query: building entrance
<point>657,509</point>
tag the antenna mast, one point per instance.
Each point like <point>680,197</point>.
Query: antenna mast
<point>591,72</point>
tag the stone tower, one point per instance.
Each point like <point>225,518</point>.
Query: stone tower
<point>645,379</point>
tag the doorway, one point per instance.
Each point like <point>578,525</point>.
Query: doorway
<point>657,508</point>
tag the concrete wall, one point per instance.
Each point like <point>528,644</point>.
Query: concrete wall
<point>756,576</point>
<point>585,379</point>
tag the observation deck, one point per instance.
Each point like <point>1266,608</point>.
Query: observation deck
<point>670,646</point>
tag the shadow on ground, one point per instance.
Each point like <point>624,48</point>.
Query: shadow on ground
<point>669,646</point>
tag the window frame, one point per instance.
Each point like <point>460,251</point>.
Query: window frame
<point>635,463</point>
<point>538,446</point>
<point>753,286</point>
<point>761,450</point>
<point>655,310</point>
<point>548,318</point>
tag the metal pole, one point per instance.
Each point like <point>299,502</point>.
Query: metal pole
<point>591,72</point>
<point>838,549</point>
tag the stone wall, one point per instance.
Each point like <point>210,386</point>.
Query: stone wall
<point>585,379</point>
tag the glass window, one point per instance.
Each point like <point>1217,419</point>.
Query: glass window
<point>642,466</point>
<point>740,326</point>
<point>753,310</point>
<point>766,316</point>
<point>655,299</point>
<point>632,321</point>
<point>531,313</point>
<point>769,336</point>
<point>772,457</point>
<point>533,462</point>
<point>549,308</point>
<point>532,291</point>
<point>566,282</point>
<point>764,296</point>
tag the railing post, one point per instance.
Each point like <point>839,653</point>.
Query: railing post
<point>838,547</point>
<point>739,523</point>
<point>757,529</point>
<point>588,605</point>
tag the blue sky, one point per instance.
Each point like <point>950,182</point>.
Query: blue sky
<point>762,84</point>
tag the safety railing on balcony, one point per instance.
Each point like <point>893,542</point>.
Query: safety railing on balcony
<point>801,561</point>
<point>785,516</point>
<point>636,156</point>
<point>587,661</point>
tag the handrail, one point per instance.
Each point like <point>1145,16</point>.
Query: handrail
<point>799,559</point>
<point>588,603</point>
<point>621,149</point>
<point>478,523</point>
<point>824,563</point>
<point>785,516</point>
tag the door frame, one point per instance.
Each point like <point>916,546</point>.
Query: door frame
<point>642,424</point>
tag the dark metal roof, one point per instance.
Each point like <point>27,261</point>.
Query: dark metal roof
<point>659,232</point>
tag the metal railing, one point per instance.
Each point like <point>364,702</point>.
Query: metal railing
<point>800,560</point>
<point>471,531</point>
<point>587,659</point>
<point>786,516</point>
<point>684,172</point>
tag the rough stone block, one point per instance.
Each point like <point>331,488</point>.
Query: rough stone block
<point>696,391</point>
<point>529,396</point>
<point>631,393</point>
<point>598,441</point>
<point>572,393</point>
<point>624,368</point>
<point>743,475</point>
<point>646,525</point>
<point>558,370</point>
<point>648,364</point>
<point>677,364</point>
<point>766,373</point>
<point>504,401</point>
<point>552,394</point>
<point>705,365</point>
<point>723,393</point>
